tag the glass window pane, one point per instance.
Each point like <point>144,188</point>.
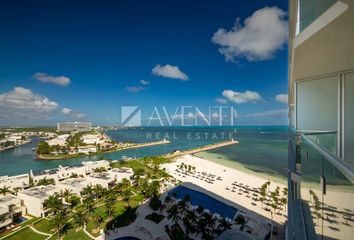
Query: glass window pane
<point>310,10</point>
<point>317,104</point>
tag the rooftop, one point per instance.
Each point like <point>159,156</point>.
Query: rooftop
<point>75,182</point>
<point>9,200</point>
<point>40,192</point>
<point>102,175</point>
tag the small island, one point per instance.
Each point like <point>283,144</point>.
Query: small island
<point>9,140</point>
<point>77,144</point>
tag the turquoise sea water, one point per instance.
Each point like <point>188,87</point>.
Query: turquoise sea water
<point>261,149</point>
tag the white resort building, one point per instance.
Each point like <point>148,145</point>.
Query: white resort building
<point>18,181</point>
<point>35,197</point>
<point>10,209</point>
<point>74,184</point>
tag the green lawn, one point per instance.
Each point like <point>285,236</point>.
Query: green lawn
<point>28,222</point>
<point>26,234</point>
<point>118,213</point>
<point>43,225</point>
<point>73,235</point>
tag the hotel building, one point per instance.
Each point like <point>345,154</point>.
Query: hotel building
<point>74,126</point>
<point>321,117</point>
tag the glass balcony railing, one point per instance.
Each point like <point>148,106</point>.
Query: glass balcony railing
<point>327,189</point>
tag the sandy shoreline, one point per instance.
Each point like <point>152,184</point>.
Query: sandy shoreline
<point>219,159</point>
<point>228,175</point>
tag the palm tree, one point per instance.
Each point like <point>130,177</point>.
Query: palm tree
<point>54,204</point>
<point>122,162</point>
<point>190,227</point>
<point>4,190</point>
<point>240,220</point>
<point>74,200</point>
<point>284,201</point>
<point>98,190</point>
<point>274,205</point>
<point>182,206</point>
<point>200,209</point>
<point>263,194</point>
<point>173,214</point>
<point>45,181</point>
<point>98,218</point>
<point>154,189</point>
<point>67,194</point>
<point>89,205</point>
<point>224,224</point>
<point>58,223</point>
<point>126,194</point>
<point>87,191</point>
<point>268,185</point>
<point>202,228</point>
<point>79,220</point>
<point>191,216</point>
<point>168,200</point>
<point>125,183</point>
<point>209,219</point>
<point>110,201</point>
<point>285,191</point>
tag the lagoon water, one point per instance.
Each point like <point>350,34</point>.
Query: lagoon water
<point>262,150</point>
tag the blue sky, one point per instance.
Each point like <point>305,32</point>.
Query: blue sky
<point>72,60</point>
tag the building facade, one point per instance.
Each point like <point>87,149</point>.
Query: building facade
<point>10,210</point>
<point>34,199</point>
<point>74,126</point>
<point>321,115</point>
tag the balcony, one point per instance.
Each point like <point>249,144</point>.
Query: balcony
<point>327,189</point>
<point>4,223</point>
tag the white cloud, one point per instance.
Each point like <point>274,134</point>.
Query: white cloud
<point>238,97</point>
<point>79,115</point>
<point>24,99</point>
<point>282,98</point>
<point>66,110</point>
<point>221,100</point>
<point>44,78</point>
<point>169,71</point>
<point>72,114</point>
<point>144,82</point>
<point>134,89</point>
<point>262,34</point>
<point>23,103</point>
<point>270,113</point>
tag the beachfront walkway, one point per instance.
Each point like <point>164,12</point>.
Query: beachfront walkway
<point>222,184</point>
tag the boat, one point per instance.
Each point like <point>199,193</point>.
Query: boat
<point>34,149</point>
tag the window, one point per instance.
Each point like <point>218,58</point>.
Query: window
<point>317,103</point>
<point>310,10</point>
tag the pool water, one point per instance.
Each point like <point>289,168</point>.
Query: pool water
<point>205,201</point>
<point>20,220</point>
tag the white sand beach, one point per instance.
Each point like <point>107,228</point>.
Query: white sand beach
<point>228,176</point>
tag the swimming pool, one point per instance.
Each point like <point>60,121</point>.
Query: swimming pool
<point>205,201</point>
<point>20,220</point>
